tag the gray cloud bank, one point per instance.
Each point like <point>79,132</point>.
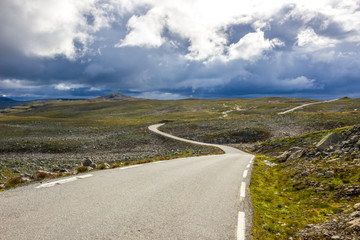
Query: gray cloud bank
<point>178,49</point>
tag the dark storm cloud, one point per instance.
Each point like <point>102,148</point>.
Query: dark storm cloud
<point>293,52</point>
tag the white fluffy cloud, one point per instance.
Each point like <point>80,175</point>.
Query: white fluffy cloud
<point>68,86</point>
<point>298,83</point>
<point>308,40</point>
<point>251,46</point>
<point>51,27</point>
<point>68,27</point>
<point>203,23</point>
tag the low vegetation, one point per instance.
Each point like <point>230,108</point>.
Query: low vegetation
<point>308,190</point>
<point>311,189</point>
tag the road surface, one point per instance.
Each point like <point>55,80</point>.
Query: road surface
<point>188,198</point>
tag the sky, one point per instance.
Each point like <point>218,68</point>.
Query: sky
<point>163,49</point>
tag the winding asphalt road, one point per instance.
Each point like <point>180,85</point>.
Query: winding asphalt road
<point>188,198</point>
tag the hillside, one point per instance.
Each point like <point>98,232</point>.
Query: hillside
<point>56,137</point>
<point>316,185</point>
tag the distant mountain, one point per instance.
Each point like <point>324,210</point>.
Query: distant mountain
<point>114,97</point>
<point>5,99</point>
<point>8,102</point>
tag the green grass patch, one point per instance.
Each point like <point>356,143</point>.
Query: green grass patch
<point>281,207</point>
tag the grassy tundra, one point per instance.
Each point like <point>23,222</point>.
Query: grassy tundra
<point>57,136</point>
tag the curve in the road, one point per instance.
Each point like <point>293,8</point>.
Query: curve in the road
<point>241,231</point>
<point>228,150</point>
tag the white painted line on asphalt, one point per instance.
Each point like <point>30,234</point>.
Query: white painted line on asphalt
<point>241,226</point>
<point>248,166</point>
<point>159,161</point>
<point>84,176</point>
<point>245,173</point>
<point>252,159</point>
<point>132,166</point>
<point>242,190</point>
<point>51,184</point>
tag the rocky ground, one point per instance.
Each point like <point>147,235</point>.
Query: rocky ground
<point>28,165</point>
<point>327,164</point>
<point>345,226</point>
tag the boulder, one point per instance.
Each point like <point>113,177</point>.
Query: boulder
<point>328,140</point>
<point>355,214</point>
<point>354,224</point>
<point>329,173</point>
<point>284,156</point>
<point>357,206</point>
<point>357,145</point>
<point>297,154</point>
<point>87,162</point>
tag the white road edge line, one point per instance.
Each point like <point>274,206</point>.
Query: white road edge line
<point>245,173</point>
<point>241,226</point>
<point>248,166</point>
<point>242,191</point>
<point>133,166</point>
<point>160,161</point>
<point>51,184</point>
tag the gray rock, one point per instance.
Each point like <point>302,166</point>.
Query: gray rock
<point>355,214</point>
<point>305,174</point>
<point>357,145</point>
<point>319,175</point>
<point>357,206</point>
<point>297,154</point>
<point>328,140</point>
<point>284,156</point>
<point>309,226</point>
<point>354,139</point>
<point>87,162</point>
<point>329,173</point>
<point>354,223</point>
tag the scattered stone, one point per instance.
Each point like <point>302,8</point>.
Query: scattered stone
<point>284,156</point>
<point>87,162</point>
<point>354,224</point>
<point>319,189</point>
<point>357,206</point>
<point>2,186</point>
<point>357,145</point>
<point>297,154</point>
<point>319,175</point>
<point>355,214</point>
<point>329,173</point>
<point>305,174</point>
<point>335,237</point>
